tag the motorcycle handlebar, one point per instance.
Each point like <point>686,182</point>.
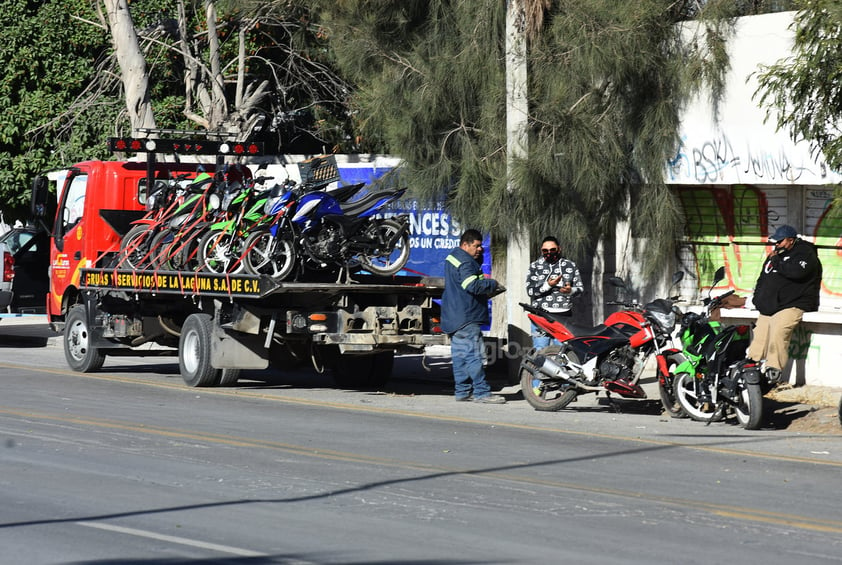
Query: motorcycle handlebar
<point>716,302</point>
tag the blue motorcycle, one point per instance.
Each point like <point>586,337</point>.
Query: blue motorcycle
<point>321,230</point>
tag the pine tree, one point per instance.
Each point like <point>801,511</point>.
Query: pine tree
<point>606,82</point>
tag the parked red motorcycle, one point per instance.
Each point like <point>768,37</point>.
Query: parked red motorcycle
<point>610,357</point>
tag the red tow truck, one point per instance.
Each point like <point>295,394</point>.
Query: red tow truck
<point>217,324</point>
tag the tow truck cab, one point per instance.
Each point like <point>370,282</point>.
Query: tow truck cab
<point>98,203</point>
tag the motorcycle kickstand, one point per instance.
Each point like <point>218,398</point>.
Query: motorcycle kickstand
<point>613,403</point>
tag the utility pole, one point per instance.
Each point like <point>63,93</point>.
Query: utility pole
<point>517,112</point>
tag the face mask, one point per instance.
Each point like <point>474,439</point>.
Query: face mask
<point>551,256</point>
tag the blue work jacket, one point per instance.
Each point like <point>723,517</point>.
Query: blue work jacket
<point>466,292</point>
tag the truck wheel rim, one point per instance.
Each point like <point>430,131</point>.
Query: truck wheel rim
<point>78,343</point>
<point>190,352</point>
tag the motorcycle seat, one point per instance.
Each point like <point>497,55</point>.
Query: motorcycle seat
<point>359,206</point>
<point>599,330</point>
<point>575,329</point>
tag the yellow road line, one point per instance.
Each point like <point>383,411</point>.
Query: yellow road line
<point>241,393</point>
<point>724,510</point>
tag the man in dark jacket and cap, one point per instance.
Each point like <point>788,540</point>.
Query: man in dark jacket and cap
<point>789,285</point>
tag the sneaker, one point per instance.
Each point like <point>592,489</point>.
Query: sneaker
<point>462,398</point>
<point>491,399</point>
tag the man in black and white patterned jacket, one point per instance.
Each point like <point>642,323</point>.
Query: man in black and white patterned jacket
<point>552,283</point>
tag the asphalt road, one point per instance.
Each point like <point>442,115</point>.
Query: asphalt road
<point>129,466</point>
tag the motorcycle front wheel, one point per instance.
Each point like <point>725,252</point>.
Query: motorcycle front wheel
<point>666,389</point>
<point>134,247</point>
<point>748,408</point>
<point>269,255</point>
<point>387,262</point>
<point>687,395</point>
<point>546,396</point>
<point>219,253</point>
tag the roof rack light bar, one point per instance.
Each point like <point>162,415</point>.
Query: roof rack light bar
<point>183,146</point>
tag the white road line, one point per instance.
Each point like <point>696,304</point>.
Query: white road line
<point>174,539</point>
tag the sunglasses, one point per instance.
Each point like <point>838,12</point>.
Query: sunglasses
<point>548,251</point>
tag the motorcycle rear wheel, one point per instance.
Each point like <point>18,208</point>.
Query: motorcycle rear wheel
<point>387,262</point>
<point>749,407</point>
<point>546,396</point>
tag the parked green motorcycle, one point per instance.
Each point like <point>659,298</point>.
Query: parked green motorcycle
<point>716,381</point>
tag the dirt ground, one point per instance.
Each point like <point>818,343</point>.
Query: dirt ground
<point>810,409</point>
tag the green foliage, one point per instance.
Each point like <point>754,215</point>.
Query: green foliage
<point>606,83</point>
<point>48,56</point>
<point>802,91</point>
<point>60,94</point>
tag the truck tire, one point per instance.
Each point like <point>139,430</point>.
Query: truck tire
<point>79,352</point>
<point>228,377</point>
<point>364,371</point>
<point>194,355</point>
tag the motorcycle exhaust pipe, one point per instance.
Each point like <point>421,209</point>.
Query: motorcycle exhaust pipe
<point>550,368</point>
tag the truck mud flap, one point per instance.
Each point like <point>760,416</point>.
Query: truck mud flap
<point>236,350</point>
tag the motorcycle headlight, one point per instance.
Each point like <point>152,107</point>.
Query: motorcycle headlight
<point>227,199</point>
<point>269,206</point>
<point>214,201</point>
<point>150,201</point>
<point>666,320</point>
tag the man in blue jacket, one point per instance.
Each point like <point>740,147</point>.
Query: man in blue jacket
<point>464,306</point>
<point>789,285</point>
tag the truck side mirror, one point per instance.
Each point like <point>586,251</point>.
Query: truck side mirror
<point>40,197</point>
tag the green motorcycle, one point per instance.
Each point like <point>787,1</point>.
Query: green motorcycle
<point>716,381</point>
<point>239,212</point>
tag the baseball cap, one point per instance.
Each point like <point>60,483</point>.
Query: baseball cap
<point>782,233</point>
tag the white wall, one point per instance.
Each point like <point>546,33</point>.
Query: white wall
<point>739,147</point>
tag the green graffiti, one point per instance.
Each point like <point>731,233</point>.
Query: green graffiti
<point>829,233</point>
<point>799,343</point>
<point>729,225</point>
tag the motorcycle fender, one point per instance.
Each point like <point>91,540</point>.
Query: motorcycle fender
<point>686,367</point>
<point>752,376</point>
<point>552,327</point>
<point>663,359</point>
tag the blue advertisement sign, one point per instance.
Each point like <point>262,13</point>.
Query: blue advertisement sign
<point>433,232</point>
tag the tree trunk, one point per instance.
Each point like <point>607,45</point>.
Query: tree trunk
<point>517,114</point>
<point>219,107</point>
<point>132,64</point>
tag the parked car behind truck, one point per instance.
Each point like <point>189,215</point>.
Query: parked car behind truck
<point>26,260</point>
<point>8,266</point>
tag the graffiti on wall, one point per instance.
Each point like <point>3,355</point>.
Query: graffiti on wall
<point>729,226</point>
<point>719,160</point>
<point>799,344</point>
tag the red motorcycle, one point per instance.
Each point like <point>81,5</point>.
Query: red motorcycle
<point>610,357</point>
